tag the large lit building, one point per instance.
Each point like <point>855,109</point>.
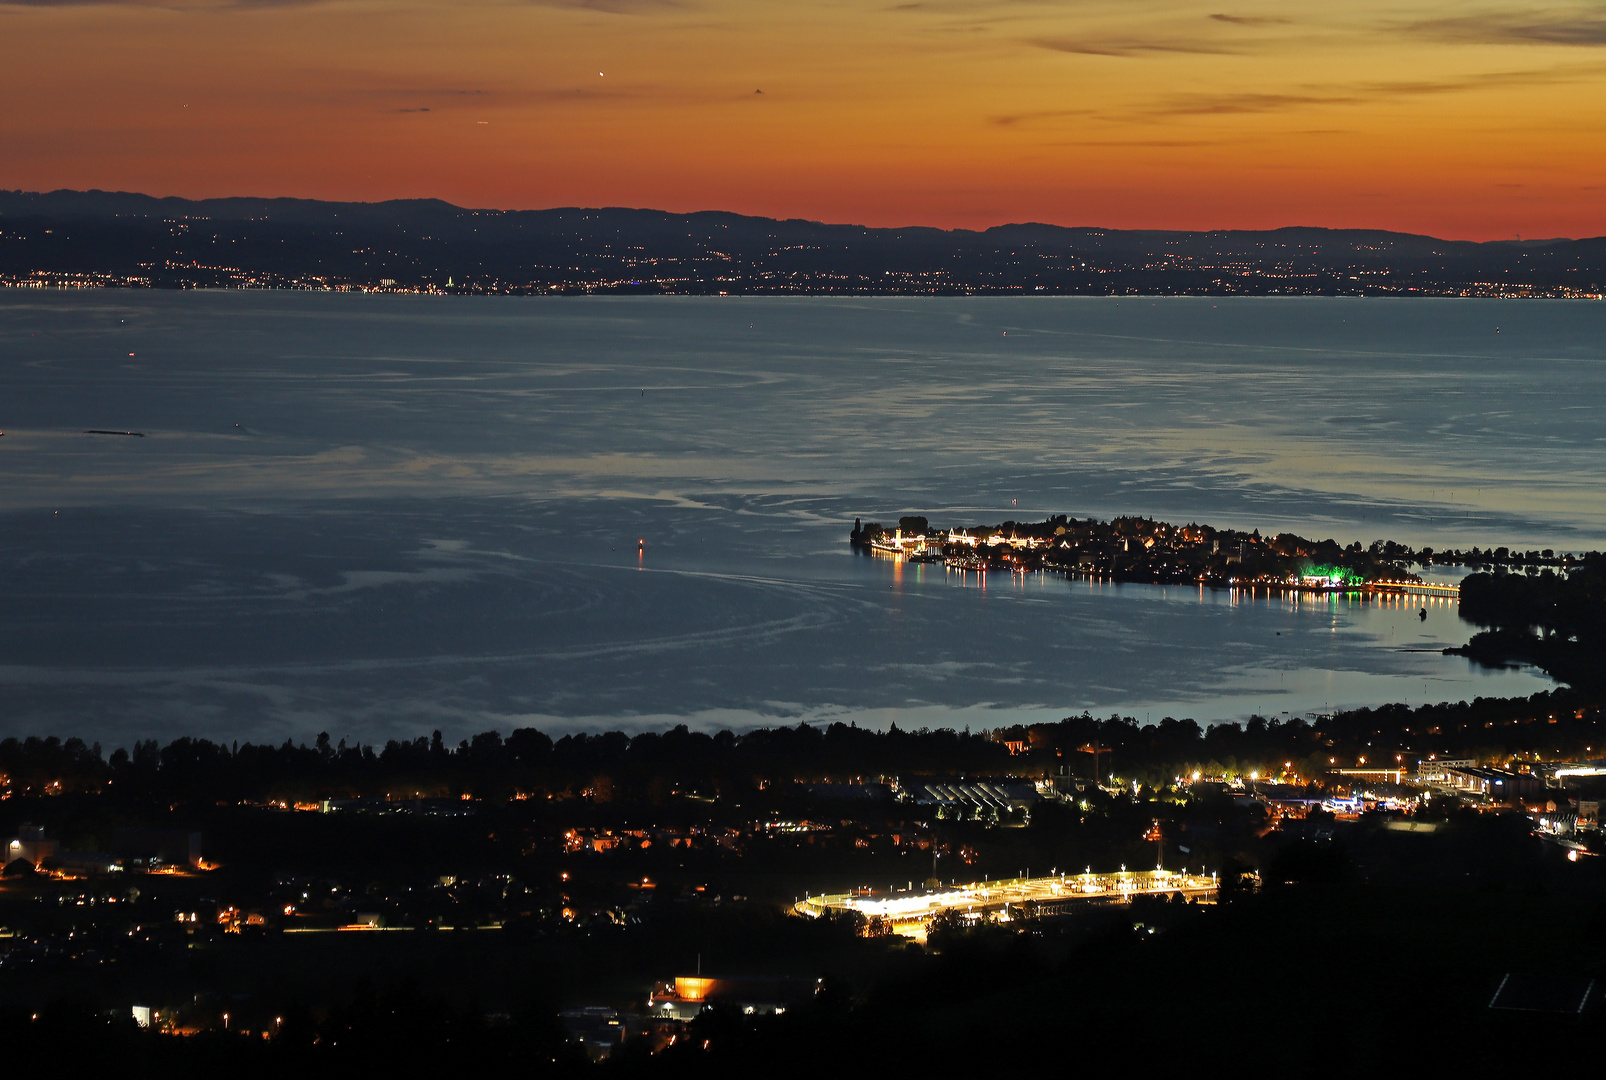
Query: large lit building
<point>687,995</point>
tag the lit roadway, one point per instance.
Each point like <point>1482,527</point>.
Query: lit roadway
<point>908,913</point>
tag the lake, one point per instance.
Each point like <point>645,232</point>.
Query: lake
<point>380,515</point>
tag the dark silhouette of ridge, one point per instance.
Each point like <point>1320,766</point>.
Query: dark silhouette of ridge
<point>132,239</point>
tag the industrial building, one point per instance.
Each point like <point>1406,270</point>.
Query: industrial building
<point>1498,785</point>
<point>975,795</point>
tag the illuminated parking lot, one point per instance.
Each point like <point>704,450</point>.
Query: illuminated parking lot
<point>908,912</point>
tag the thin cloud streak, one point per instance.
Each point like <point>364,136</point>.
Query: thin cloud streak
<point>1581,30</point>
<point>166,5</point>
<point>1254,102</point>
<point>613,7</point>
<point>1130,47</point>
<point>1251,20</point>
<point>1011,119</point>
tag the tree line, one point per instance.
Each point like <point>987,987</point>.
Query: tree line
<point>658,766</point>
<point>1555,621</point>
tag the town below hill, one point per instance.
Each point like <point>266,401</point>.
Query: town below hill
<point>99,238</point>
<point>317,910</point>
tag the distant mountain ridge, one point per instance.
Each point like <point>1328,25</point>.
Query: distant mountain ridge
<point>133,239</point>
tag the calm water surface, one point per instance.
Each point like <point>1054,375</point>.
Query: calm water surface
<point>380,515</point>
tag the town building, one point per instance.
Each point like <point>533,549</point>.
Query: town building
<point>1498,785</point>
<point>975,795</point>
<point>30,845</point>
<point>685,996</point>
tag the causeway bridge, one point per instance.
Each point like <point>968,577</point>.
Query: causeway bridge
<point>1414,588</point>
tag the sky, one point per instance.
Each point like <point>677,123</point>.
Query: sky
<point>1466,120</point>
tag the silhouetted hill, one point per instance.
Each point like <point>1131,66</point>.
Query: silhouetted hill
<point>130,239</point>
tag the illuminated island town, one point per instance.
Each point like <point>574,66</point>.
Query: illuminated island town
<point>1140,549</point>
<point>685,902</point>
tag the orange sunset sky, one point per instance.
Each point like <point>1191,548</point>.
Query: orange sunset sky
<point>1456,119</point>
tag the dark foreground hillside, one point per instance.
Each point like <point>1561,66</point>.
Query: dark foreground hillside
<point>1358,959</point>
<point>1337,942</point>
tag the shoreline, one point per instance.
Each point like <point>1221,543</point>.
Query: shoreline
<point>78,282</point>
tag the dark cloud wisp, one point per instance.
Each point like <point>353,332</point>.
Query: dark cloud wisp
<point>1130,46</point>
<point>1581,29</point>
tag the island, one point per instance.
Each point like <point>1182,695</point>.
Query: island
<point>1142,549</point>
